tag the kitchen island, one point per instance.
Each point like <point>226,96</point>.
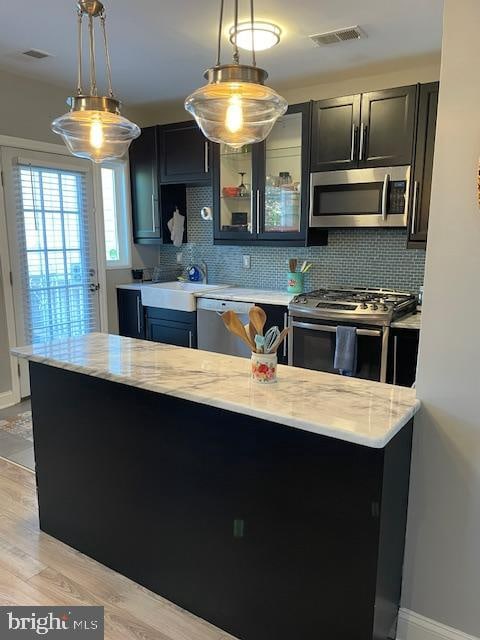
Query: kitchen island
<point>273,511</point>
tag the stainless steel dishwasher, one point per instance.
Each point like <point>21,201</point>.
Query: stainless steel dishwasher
<point>212,334</point>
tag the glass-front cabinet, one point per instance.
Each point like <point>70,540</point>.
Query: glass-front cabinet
<point>261,192</point>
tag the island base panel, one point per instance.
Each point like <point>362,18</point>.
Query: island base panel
<point>268,532</point>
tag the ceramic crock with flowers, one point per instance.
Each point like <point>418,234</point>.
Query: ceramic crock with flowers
<point>264,367</point>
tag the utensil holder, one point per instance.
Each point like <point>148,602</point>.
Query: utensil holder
<point>264,367</point>
<point>295,282</point>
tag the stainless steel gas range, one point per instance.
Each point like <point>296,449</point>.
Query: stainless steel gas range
<point>314,318</point>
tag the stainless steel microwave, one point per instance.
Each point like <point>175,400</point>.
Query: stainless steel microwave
<point>375,197</point>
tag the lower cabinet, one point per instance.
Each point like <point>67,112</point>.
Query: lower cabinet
<point>402,357</point>
<point>171,327</point>
<point>278,316</point>
<point>131,319</point>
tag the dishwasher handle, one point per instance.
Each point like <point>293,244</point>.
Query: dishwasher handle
<point>220,306</point>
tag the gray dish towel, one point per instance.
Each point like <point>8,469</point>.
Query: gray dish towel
<point>346,351</point>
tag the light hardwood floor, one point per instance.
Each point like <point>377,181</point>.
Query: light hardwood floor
<point>36,569</point>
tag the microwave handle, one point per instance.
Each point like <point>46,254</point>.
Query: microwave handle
<point>386,182</point>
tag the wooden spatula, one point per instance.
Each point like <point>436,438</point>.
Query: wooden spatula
<point>235,326</point>
<point>258,318</point>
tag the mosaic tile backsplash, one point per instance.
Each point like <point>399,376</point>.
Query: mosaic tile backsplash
<point>356,257</point>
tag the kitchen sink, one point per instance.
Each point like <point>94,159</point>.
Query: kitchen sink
<point>178,296</point>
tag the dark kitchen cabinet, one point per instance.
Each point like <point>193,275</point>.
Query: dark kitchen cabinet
<point>184,154</point>
<point>402,357</point>
<point>277,316</point>
<point>261,191</point>
<point>423,166</point>
<point>131,319</point>
<point>366,130</point>
<point>171,327</point>
<point>153,203</point>
<point>387,127</point>
<point>335,128</point>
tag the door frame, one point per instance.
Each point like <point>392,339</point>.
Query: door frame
<point>13,397</point>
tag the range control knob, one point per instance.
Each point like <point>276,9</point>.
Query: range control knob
<point>374,306</point>
<point>363,306</point>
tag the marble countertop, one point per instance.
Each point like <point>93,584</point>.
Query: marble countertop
<point>413,321</point>
<point>259,296</point>
<point>359,411</point>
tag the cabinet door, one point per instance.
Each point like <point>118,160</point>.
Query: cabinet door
<point>235,193</point>
<point>144,185</point>
<point>184,154</point>
<point>423,165</point>
<point>402,357</point>
<point>387,127</point>
<point>170,333</point>
<point>131,321</point>
<point>335,125</point>
<point>278,316</point>
<point>283,177</point>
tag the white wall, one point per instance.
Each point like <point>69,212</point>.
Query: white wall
<point>442,573</point>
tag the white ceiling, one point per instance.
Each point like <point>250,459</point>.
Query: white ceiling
<point>160,49</point>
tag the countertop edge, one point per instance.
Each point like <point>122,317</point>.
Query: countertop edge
<point>336,433</point>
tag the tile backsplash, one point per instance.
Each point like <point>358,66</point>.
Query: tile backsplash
<point>357,257</point>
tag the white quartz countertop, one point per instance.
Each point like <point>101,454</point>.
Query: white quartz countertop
<point>359,411</point>
<point>259,296</point>
<point>413,321</point>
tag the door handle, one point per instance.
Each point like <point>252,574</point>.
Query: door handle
<point>414,207</point>
<point>386,182</point>
<point>206,166</point>
<point>139,326</point>
<point>190,339</point>
<point>93,287</point>
<point>258,210</point>
<point>352,150</point>
<point>363,129</point>
<point>154,227</point>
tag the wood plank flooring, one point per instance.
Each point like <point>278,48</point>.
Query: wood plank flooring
<point>36,569</point>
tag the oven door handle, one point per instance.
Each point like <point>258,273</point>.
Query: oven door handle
<point>333,329</point>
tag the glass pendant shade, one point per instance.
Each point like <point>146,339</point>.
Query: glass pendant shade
<point>96,135</point>
<point>235,112</point>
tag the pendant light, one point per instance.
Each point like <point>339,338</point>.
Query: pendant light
<point>94,127</point>
<point>235,107</point>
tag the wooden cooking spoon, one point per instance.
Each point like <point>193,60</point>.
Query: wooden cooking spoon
<point>258,318</point>
<point>235,326</point>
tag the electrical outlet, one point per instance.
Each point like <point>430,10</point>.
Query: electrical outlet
<point>179,258</point>
<point>246,262</point>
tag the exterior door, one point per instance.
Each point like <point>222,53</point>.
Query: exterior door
<point>51,233</point>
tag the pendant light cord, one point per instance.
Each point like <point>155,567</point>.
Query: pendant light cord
<point>103,17</point>
<point>93,73</point>
<point>254,57</point>
<point>220,25</point>
<point>79,53</point>
<point>236,56</point>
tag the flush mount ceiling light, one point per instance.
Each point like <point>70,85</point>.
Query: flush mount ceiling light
<point>235,107</point>
<point>259,36</point>
<point>94,127</point>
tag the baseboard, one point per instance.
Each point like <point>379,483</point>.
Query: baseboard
<point>7,399</point>
<point>413,626</point>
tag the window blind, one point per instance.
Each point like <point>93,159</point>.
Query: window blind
<point>55,252</point>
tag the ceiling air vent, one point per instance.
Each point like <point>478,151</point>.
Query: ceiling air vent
<point>36,53</point>
<point>340,35</point>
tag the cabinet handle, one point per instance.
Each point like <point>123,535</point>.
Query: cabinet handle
<point>139,326</point>
<point>206,165</point>
<point>414,207</point>
<point>258,210</point>
<point>395,346</point>
<point>386,181</point>
<point>154,228</point>
<point>190,339</point>
<point>352,150</point>
<point>285,325</point>
<point>362,140</point>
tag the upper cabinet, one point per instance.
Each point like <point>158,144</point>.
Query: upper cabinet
<point>335,126</point>
<point>261,192</point>
<point>370,130</point>
<point>184,154</point>
<point>153,203</point>
<point>423,166</point>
